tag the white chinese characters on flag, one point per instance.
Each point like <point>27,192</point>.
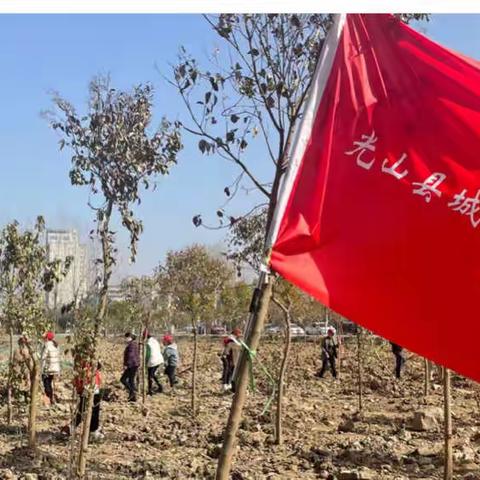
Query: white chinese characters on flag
<point>379,216</point>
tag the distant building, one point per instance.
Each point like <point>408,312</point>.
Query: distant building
<point>61,244</point>
<point>116,293</point>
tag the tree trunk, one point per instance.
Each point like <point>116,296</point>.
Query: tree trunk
<point>102,308</point>
<point>144,372</point>
<point>73,434</point>
<point>360,369</point>
<point>252,340</point>
<point>87,419</point>
<point>10,375</point>
<point>341,348</point>
<point>281,379</point>
<point>441,373</point>
<point>426,389</point>
<point>254,327</point>
<point>33,409</point>
<point>194,371</point>
<point>143,356</point>
<point>448,470</point>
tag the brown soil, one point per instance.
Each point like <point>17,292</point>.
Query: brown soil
<point>324,435</point>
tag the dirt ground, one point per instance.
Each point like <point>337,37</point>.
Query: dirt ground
<point>324,435</point>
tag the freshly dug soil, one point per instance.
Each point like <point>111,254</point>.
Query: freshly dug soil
<point>397,436</point>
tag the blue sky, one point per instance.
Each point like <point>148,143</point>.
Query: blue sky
<point>40,53</point>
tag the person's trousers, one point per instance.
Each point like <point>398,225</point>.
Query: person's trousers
<point>333,368</point>
<point>170,373</point>
<point>128,380</point>
<point>399,361</point>
<point>48,387</point>
<point>227,372</point>
<point>81,407</point>
<point>152,377</point>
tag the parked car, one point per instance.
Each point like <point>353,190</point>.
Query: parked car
<point>218,330</point>
<point>273,329</point>
<point>318,328</point>
<point>296,330</point>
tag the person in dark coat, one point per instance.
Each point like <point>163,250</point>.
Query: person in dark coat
<point>232,354</point>
<point>225,365</point>
<point>397,351</point>
<point>329,353</point>
<point>131,362</point>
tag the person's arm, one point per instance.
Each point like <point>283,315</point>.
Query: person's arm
<point>166,356</point>
<point>43,356</point>
<point>125,356</point>
<point>44,359</point>
<point>324,348</point>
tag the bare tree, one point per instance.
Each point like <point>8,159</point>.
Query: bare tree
<point>194,278</point>
<point>255,91</point>
<point>113,155</point>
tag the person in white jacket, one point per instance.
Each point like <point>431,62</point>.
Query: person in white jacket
<point>154,359</point>
<point>50,365</point>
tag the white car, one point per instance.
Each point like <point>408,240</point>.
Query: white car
<point>318,328</point>
<point>296,330</point>
<point>273,329</point>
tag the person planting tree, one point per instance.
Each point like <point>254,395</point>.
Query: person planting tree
<point>50,366</point>
<point>226,373</point>
<point>397,351</point>
<point>153,359</point>
<point>329,353</point>
<point>82,379</point>
<point>172,359</point>
<point>131,362</point>
<point>232,353</point>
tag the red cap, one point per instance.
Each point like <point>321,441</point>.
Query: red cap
<point>49,336</point>
<point>167,339</point>
<point>226,340</point>
<point>237,332</point>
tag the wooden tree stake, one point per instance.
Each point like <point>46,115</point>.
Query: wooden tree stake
<point>448,471</point>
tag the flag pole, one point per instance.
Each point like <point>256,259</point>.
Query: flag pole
<point>426,386</point>
<point>262,295</point>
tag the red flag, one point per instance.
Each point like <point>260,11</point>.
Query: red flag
<point>380,213</point>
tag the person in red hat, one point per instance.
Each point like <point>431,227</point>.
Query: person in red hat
<point>50,366</point>
<point>171,358</point>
